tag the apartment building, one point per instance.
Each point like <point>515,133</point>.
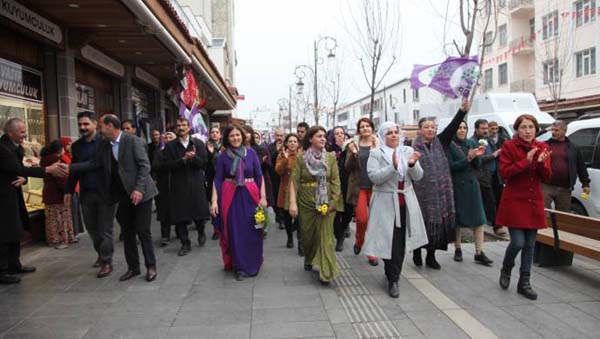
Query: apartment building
<point>396,102</point>
<point>548,48</point>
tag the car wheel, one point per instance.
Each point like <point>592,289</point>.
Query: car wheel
<point>577,208</point>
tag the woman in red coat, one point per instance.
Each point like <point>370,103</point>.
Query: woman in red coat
<point>524,164</point>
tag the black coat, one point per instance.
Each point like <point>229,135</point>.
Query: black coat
<point>12,205</point>
<point>187,184</point>
<point>577,166</point>
<point>163,179</point>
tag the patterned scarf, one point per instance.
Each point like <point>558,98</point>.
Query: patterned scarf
<point>316,165</point>
<point>237,169</point>
<point>434,191</point>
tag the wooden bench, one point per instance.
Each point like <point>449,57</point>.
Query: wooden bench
<point>568,234</point>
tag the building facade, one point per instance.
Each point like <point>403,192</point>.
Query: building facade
<point>548,48</point>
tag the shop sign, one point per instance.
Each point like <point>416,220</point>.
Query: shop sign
<point>30,20</point>
<point>20,82</point>
<point>95,56</point>
<point>85,97</point>
<point>146,77</point>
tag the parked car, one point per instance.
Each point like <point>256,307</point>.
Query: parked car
<point>585,135</point>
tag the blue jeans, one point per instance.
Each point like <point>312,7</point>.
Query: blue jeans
<point>521,240</point>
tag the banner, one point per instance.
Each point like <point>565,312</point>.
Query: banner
<point>455,77</point>
<point>195,119</point>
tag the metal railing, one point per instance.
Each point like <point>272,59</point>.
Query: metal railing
<point>524,41</point>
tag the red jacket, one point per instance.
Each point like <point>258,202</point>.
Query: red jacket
<point>522,202</point>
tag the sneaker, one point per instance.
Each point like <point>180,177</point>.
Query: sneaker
<point>458,255</point>
<point>482,259</point>
<point>61,246</point>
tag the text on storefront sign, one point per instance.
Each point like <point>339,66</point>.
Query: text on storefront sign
<point>17,81</point>
<point>31,20</point>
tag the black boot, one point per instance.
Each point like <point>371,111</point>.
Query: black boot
<point>417,259</point>
<point>290,240</point>
<point>505,276</point>
<point>431,262</point>
<point>201,235</point>
<point>524,286</point>
<point>393,290</point>
<point>339,244</point>
<point>186,247</point>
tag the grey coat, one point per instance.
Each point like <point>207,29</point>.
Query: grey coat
<point>385,207</point>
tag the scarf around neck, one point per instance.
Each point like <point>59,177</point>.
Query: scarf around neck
<point>317,166</point>
<point>237,169</point>
<point>434,191</point>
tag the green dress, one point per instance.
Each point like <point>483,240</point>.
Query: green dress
<point>317,229</point>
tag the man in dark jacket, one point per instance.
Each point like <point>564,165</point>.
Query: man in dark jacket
<point>274,148</point>
<point>497,141</point>
<point>13,175</point>
<point>567,165</point>
<point>185,159</point>
<point>486,171</point>
<point>98,209</point>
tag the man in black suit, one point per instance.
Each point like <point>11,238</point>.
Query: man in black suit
<point>96,203</point>
<point>124,160</point>
<point>13,175</point>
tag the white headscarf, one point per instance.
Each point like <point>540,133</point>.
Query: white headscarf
<point>388,151</point>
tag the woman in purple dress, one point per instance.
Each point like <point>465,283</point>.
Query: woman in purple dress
<point>238,190</point>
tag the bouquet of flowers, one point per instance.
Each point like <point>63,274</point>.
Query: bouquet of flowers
<point>483,142</point>
<point>264,217</point>
<point>323,209</point>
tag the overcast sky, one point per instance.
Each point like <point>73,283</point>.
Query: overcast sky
<point>274,36</point>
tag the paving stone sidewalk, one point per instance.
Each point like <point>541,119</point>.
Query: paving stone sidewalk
<point>194,298</point>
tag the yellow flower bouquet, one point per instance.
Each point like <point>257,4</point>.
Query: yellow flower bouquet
<point>323,209</point>
<point>263,217</point>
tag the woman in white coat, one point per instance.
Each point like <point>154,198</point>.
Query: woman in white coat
<point>398,225</point>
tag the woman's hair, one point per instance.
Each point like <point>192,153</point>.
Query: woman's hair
<point>309,134</point>
<point>53,147</point>
<point>287,138</point>
<point>248,129</point>
<point>228,131</point>
<point>367,120</point>
<point>424,120</point>
<point>526,117</point>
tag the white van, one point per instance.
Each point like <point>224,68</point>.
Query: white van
<point>503,108</point>
<point>585,135</point>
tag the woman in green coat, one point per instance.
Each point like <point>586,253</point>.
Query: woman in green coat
<point>315,196</point>
<point>463,158</point>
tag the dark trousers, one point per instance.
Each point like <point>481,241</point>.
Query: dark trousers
<point>135,220</point>
<point>393,266</point>
<point>182,230</point>
<point>165,230</point>
<point>521,240</point>
<point>98,217</point>
<point>342,221</point>
<point>489,204</point>
<point>498,187</point>
<point>9,256</point>
<point>291,225</point>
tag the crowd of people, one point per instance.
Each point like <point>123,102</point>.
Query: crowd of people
<point>425,191</point>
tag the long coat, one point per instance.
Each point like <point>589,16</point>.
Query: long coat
<point>284,167</point>
<point>187,185</point>
<point>12,209</point>
<point>467,194</point>
<point>522,203</point>
<point>380,230</point>
<point>354,170</point>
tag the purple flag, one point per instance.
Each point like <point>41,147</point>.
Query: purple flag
<point>453,78</point>
<point>195,119</point>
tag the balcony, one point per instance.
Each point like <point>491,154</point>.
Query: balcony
<point>521,8</point>
<point>522,45</point>
<point>525,85</point>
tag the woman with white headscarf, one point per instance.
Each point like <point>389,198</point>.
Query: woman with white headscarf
<point>398,225</point>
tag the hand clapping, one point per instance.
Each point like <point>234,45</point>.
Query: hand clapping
<point>414,158</point>
<point>544,155</point>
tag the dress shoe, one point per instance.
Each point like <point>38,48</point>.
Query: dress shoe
<point>21,270</point>
<point>373,262</point>
<point>6,279</point>
<point>129,274</point>
<point>215,236</point>
<point>105,271</point>
<point>186,247</point>
<point>98,263</point>
<point>458,255</point>
<point>201,239</point>
<point>357,249</point>
<point>290,242</point>
<point>393,290</point>
<point>417,258</point>
<point>482,259</point>
<point>151,274</point>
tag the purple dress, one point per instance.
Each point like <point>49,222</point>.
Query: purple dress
<point>241,243</point>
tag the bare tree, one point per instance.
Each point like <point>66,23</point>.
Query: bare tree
<point>376,36</point>
<point>334,88</point>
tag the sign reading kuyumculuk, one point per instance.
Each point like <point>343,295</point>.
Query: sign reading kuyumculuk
<point>30,20</point>
<point>20,82</point>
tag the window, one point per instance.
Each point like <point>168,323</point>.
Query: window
<point>502,35</point>
<point>404,94</point>
<point>551,72</point>
<point>488,78</point>
<point>585,140</point>
<point>342,117</point>
<point>585,62</point>
<point>416,115</point>
<point>503,74</point>
<point>487,40</point>
<point>415,95</point>
<point>550,25</point>
<point>532,28</point>
<point>586,11</point>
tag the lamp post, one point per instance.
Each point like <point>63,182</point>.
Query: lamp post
<point>315,69</point>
